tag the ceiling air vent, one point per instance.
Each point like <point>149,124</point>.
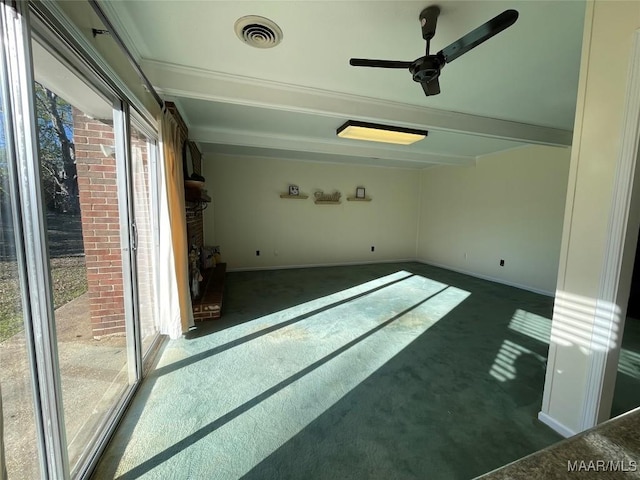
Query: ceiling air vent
<point>258,32</point>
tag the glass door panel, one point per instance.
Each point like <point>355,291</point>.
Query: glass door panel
<point>73,315</point>
<point>18,432</point>
<point>143,157</point>
<point>80,185</point>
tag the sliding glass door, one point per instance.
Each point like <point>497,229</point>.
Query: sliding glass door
<point>19,455</point>
<point>84,220</point>
<point>144,180</point>
<point>78,250</point>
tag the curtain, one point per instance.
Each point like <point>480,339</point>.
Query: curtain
<point>176,314</point>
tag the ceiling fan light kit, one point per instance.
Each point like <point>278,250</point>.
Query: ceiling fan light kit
<point>426,70</point>
<point>380,133</point>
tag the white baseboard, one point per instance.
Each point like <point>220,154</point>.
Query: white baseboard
<point>491,279</point>
<point>316,265</point>
<point>400,260</point>
<point>556,426</point>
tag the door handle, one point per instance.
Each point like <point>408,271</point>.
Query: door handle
<point>134,231</point>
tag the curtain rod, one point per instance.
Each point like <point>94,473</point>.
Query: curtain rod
<point>123,47</point>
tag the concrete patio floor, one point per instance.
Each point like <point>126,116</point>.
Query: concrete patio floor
<point>93,376</point>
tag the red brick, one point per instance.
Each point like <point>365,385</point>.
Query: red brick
<point>102,168</point>
<point>100,222</point>
<point>99,127</point>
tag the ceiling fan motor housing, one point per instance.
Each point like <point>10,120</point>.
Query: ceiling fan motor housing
<point>426,69</point>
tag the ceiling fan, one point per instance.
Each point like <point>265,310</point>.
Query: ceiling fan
<point>426,70</point>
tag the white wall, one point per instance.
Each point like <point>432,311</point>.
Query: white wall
<point>247,213</point>
<point>510,206</point>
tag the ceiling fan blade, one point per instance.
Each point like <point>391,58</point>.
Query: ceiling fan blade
<point>365,62</point>
<point>481,34</point>
<point>432,87</point>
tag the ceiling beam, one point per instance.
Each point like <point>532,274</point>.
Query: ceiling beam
<point>181,81</point>
<point>205,135</point>
<point>232,150</point>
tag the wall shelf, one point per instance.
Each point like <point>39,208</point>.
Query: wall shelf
<point>296,197</point>
<point>355,199</point>
<point>327,202</point>
<point>196,198</point>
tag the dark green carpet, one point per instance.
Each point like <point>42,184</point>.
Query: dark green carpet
<point>419,374</point>
<point>627,391</point>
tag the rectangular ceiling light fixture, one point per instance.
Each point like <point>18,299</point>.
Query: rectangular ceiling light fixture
<point>380,133</point>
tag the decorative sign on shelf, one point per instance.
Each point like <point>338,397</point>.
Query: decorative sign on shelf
<point>322,197</point>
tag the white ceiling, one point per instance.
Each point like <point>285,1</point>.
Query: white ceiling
<point>519,87</point>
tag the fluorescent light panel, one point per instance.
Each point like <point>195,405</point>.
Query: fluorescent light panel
<point>380,133</point>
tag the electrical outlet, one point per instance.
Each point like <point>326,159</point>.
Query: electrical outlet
<point>373,249</point>
<point>257,253</point>
<point>501,263</point>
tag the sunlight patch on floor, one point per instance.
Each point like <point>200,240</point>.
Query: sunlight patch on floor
<point>505,365</point>
<point>262,392</point>
<point>629,363</point>
<point>539,328</point>
<point>531,325</point>
<point>262,324</point>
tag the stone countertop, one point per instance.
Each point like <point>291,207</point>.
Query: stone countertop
<point>610,450</point>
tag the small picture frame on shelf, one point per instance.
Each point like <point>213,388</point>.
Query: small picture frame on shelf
<point>360,192</point>
<point>294,191</point>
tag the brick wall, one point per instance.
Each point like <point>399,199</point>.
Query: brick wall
<point>194,215</point>
<point>194,227</point>
<point>100,224</point>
